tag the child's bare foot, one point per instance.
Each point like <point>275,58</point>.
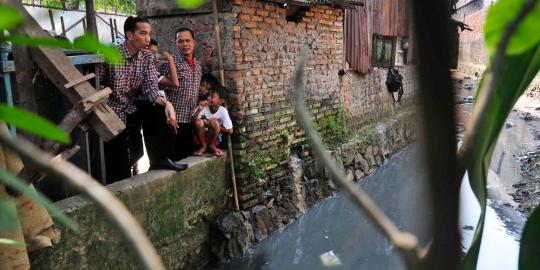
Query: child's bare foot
<point>200,152</point>
<point>216,151</point>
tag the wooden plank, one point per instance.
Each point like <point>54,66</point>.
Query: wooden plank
<point>86,59</point>
<point>90,103</point>
<point>56,66</point>
<point>80,80</point>
<point>77,115</point>
<point>9,66</point>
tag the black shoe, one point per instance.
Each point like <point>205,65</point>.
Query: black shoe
<point>167,164</point>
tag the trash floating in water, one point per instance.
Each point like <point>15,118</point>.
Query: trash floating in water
<point>330,259</point>
<point>465,100</point>
<point>326,237</point>
<point>468,228</point>
<point>509,124</point>
<point>527,116</point>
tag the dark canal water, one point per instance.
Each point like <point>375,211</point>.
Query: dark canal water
<point>338,229</point>
<point>398,187</point>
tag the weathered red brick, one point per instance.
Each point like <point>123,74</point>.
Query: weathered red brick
<point>244,17</point>
<point>246,10</point>
<point>241,67</point>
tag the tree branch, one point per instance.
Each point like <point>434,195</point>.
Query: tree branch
<point>115,211</point>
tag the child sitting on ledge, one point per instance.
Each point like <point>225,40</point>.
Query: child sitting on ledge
<point>210,121</point>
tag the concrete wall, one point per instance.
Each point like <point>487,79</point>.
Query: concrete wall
<point>175,209</point>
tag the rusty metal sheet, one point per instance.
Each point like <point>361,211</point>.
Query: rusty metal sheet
<point>389,17</point>
<point>357,45</point>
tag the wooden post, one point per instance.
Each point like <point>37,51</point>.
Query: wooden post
<point>115,29</point>
<point>112,30</point>
<point>222,80</point>
<point>91,18</point>
<point>51,17</point>
<point>25,95</point>
<point>85,29</point>
<point>63,26</point>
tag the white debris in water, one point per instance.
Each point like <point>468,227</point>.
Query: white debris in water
<point>298,256</point>
<point>509,124</point>
<point>326,237</point>
<point>329,259</point>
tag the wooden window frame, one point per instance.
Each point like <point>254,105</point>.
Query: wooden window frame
<point>383,64</point>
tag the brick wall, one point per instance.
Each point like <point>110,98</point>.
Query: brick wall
<point>266,48</point>
<point>202,24</point>
<point>261,49</point>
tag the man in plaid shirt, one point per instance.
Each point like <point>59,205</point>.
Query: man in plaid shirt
<point>135,74</point>
<point>184,98</point>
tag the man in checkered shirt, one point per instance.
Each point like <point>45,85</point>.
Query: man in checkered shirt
<point>184,98</point>
<point>136,74</point>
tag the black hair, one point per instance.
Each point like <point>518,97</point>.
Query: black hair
<point>131,22</point>
<point>153,42</point>
<point>220,90</point>
<point>184,29</point>
<point>203,97</point>
<point>210,79</point>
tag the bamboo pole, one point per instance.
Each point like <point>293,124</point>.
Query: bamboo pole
<point>222,81</point>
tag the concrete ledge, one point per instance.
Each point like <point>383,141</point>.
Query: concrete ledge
<point>175,208</point>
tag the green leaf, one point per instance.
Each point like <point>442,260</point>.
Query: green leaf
<point>86,42</point>
<point>32,123</point>
<point>39,41</point>
<point>92,44</point>
<point>526,35</point>
<point>190,4</point>
<point>530,243</point>
<point>10,242</point>
<point>516,74</point>
<point>17,184</point>
<point>11,17</point>
<point>8,215</point>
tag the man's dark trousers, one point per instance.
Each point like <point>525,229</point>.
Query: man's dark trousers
<point>123,151</point>
<point>183,144</point>
<point>158,136</point>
